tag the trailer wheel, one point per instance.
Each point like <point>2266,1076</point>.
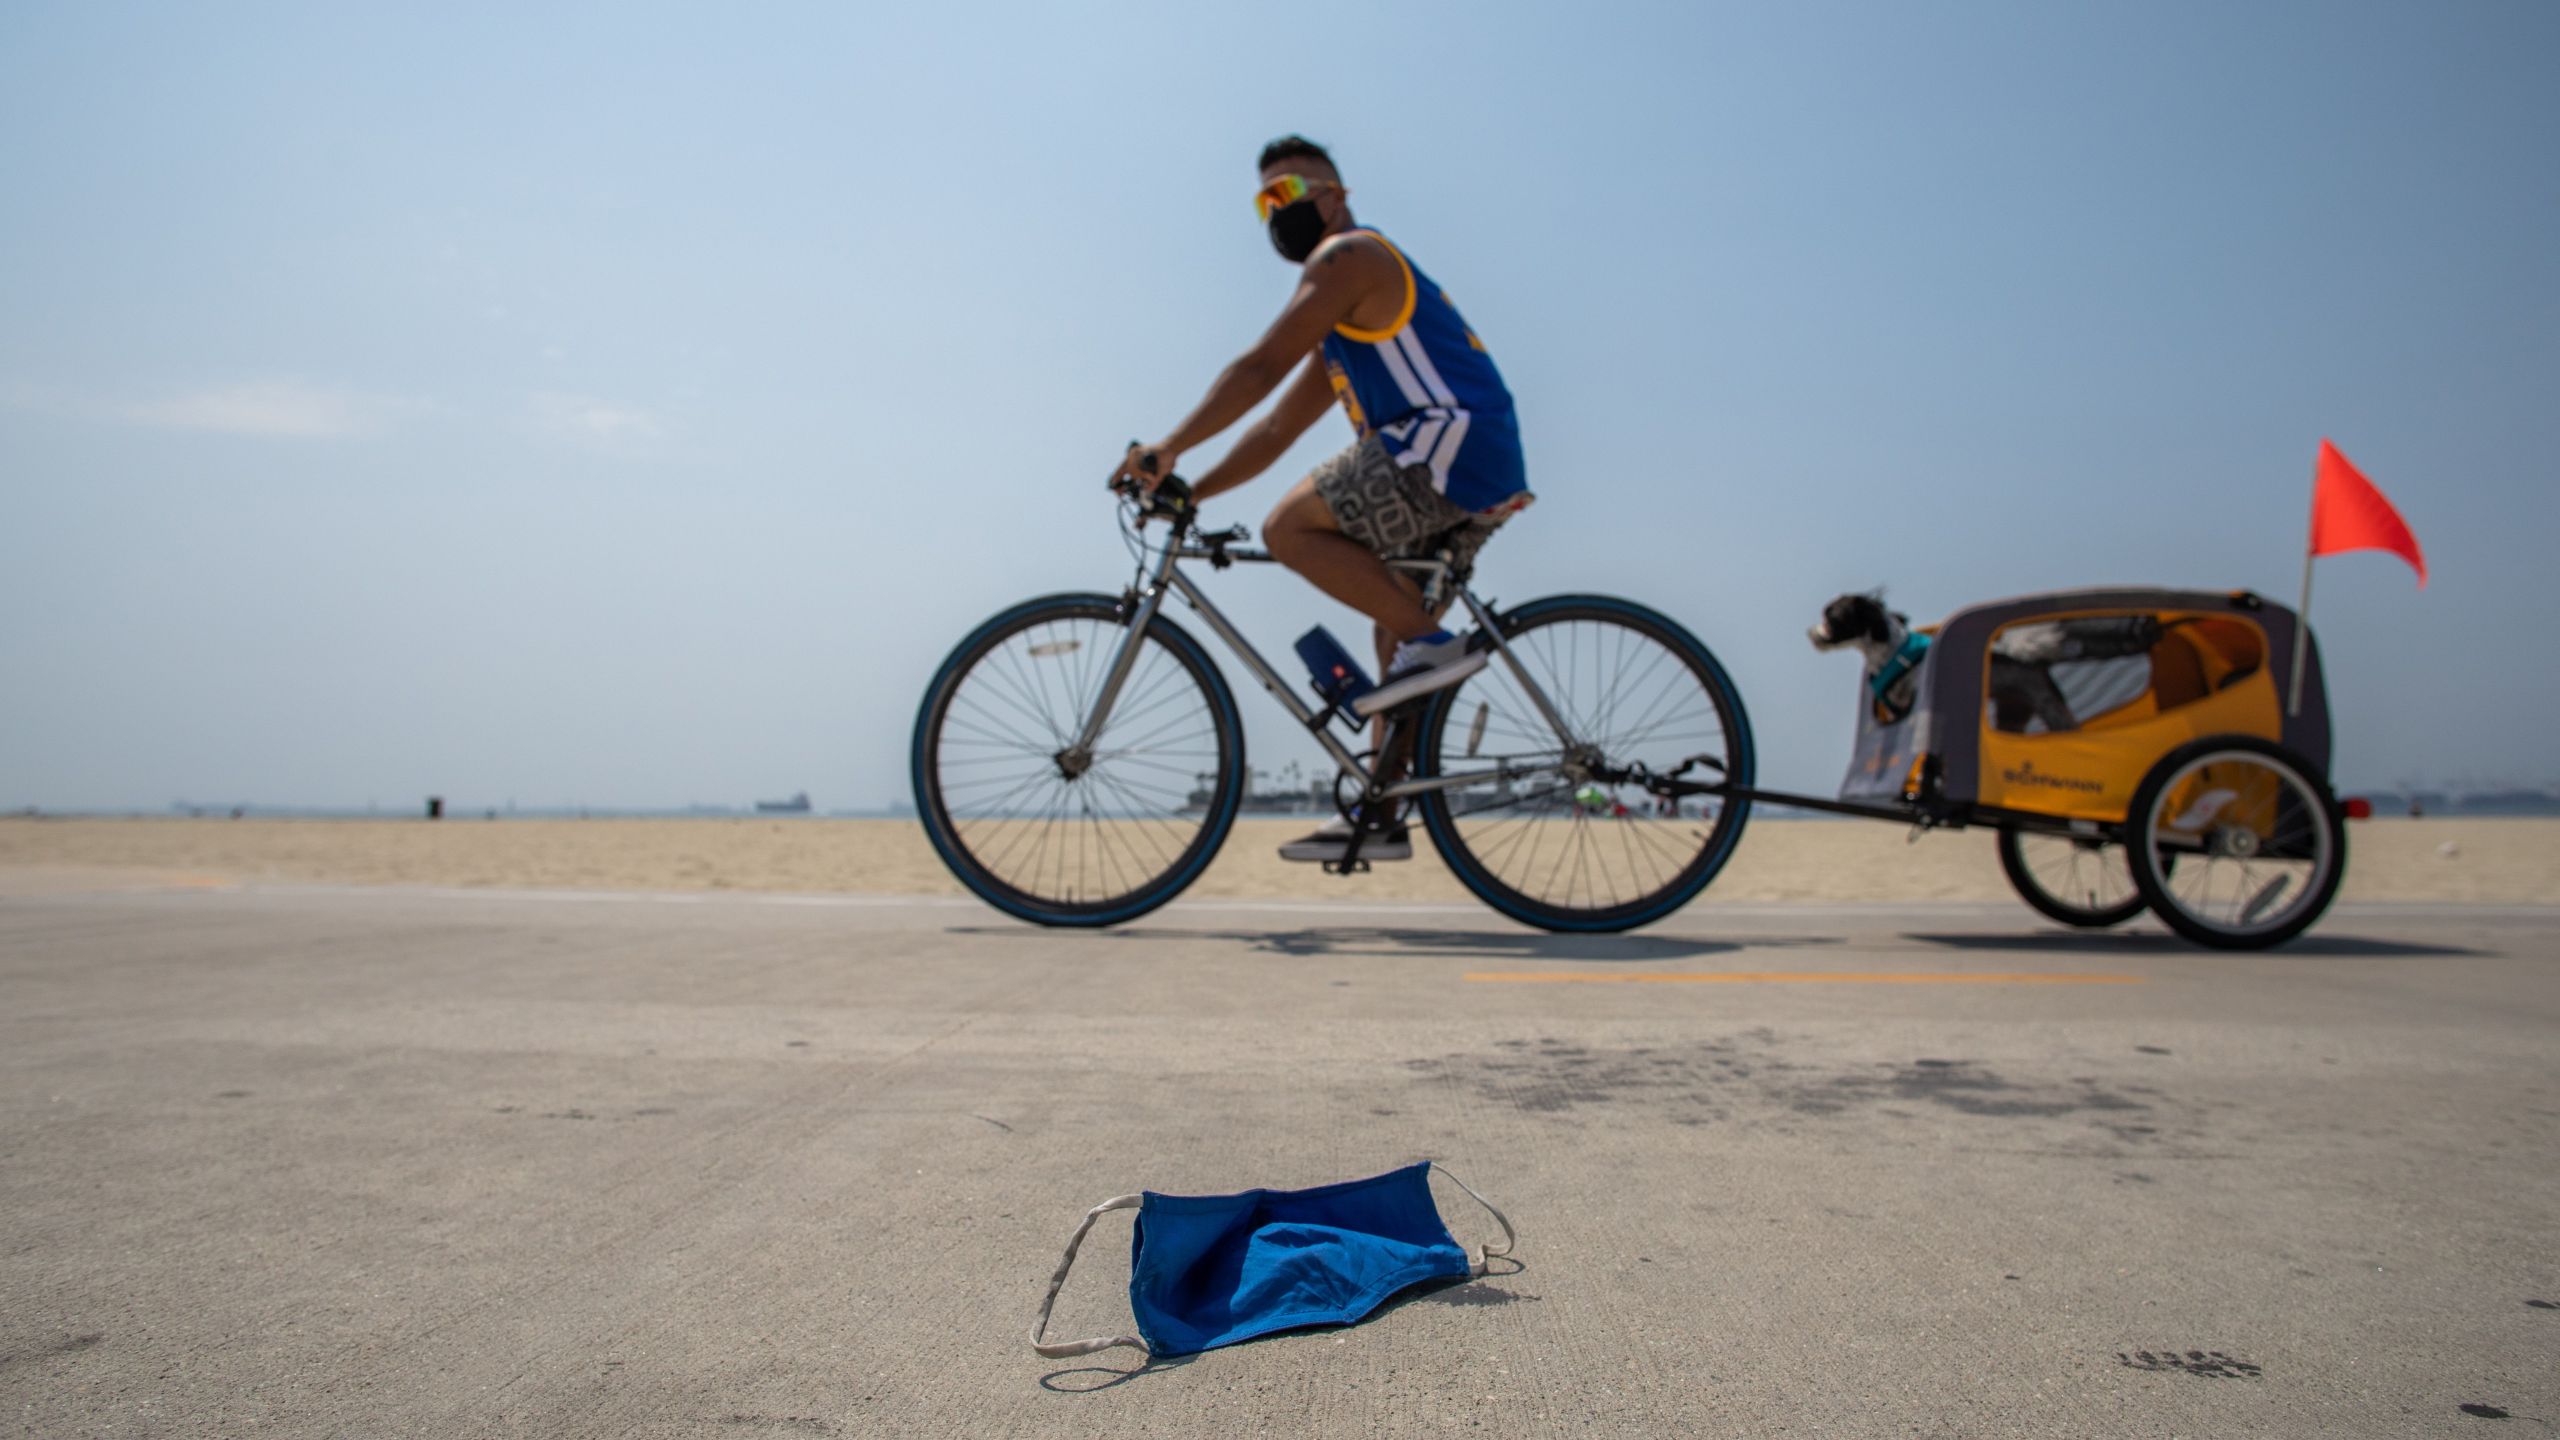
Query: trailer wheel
<point>2236,843</point>
<point>2082,880</point>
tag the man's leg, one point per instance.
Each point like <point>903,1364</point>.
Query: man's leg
<point>1332,840</point>
<point>1303,535</point>
<point>1387,640</point>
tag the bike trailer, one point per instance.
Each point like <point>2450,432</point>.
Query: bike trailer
<point>2060,705</point>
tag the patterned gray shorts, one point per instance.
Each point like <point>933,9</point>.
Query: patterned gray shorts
<point>1394,511</point>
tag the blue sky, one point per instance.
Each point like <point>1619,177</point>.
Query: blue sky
<point>628,405</point>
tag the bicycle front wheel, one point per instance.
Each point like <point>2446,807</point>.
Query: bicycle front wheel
<point>1541,839</point>
<point>1044,839</point>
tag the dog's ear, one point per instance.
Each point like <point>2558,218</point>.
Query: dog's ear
<point>1858,617</point>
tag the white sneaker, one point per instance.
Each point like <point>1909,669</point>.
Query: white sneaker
<point>1333,840</point>
<point>1419,669</point>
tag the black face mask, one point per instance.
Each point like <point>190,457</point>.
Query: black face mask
<point>1296,230</point>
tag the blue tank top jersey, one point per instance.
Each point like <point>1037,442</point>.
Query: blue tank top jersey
<point>1426,388</point>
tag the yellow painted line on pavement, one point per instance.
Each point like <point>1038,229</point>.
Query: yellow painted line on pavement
<point>1786,977</point>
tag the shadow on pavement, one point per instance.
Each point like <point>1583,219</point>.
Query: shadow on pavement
<point>1055,1380</point>
<point>2153,942</point>
<point>1470,944</point>
<point>1472,1291</point>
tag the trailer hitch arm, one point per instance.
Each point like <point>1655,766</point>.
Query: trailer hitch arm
<point>1668,785</point>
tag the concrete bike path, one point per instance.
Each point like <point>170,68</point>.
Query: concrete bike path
<point>309,1161</point>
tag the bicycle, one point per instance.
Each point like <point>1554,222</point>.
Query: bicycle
<point>1056,748</point>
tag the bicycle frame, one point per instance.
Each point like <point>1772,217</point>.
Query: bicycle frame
<point>1167,577</point>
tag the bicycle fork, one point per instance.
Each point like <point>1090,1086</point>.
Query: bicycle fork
<point>1074,760</point>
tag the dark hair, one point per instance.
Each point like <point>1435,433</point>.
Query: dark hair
<point>1295,147</point>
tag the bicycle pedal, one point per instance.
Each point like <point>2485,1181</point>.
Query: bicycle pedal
<point>1346,867</point>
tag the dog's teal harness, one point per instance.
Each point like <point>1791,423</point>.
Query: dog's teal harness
<point>1915,647</point>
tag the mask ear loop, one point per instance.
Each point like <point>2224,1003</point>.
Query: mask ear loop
<point>1066,1349</point>
<point>1475,1266</point>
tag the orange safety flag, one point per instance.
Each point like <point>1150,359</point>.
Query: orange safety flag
<point>2348,513</point>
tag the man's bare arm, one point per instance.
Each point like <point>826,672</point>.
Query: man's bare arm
<point>1345,272</point>
<point>1301,405</point>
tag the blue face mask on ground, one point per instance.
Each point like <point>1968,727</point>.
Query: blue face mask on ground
<point>1210,1270</point>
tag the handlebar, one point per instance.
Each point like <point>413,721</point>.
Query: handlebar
<point>1171,501</point>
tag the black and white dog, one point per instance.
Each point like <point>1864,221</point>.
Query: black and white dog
<point>1893,650</point>
<point>2022,688</point>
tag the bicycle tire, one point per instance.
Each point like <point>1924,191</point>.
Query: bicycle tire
<point>1671,885</point>
<point>2053,904</point>
<point>1147,866</point>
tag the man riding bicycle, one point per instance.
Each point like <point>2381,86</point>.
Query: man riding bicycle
<point>1436,462</point>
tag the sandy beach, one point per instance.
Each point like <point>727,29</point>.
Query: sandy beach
<point>2465,861</point>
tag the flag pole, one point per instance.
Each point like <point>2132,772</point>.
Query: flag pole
<point>2302,615</point>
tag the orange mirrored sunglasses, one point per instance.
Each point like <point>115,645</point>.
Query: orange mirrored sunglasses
<point>1287,190</point>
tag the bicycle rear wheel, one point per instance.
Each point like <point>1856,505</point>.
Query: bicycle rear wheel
<point>1550,845</point>
<point>1039,839</point>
